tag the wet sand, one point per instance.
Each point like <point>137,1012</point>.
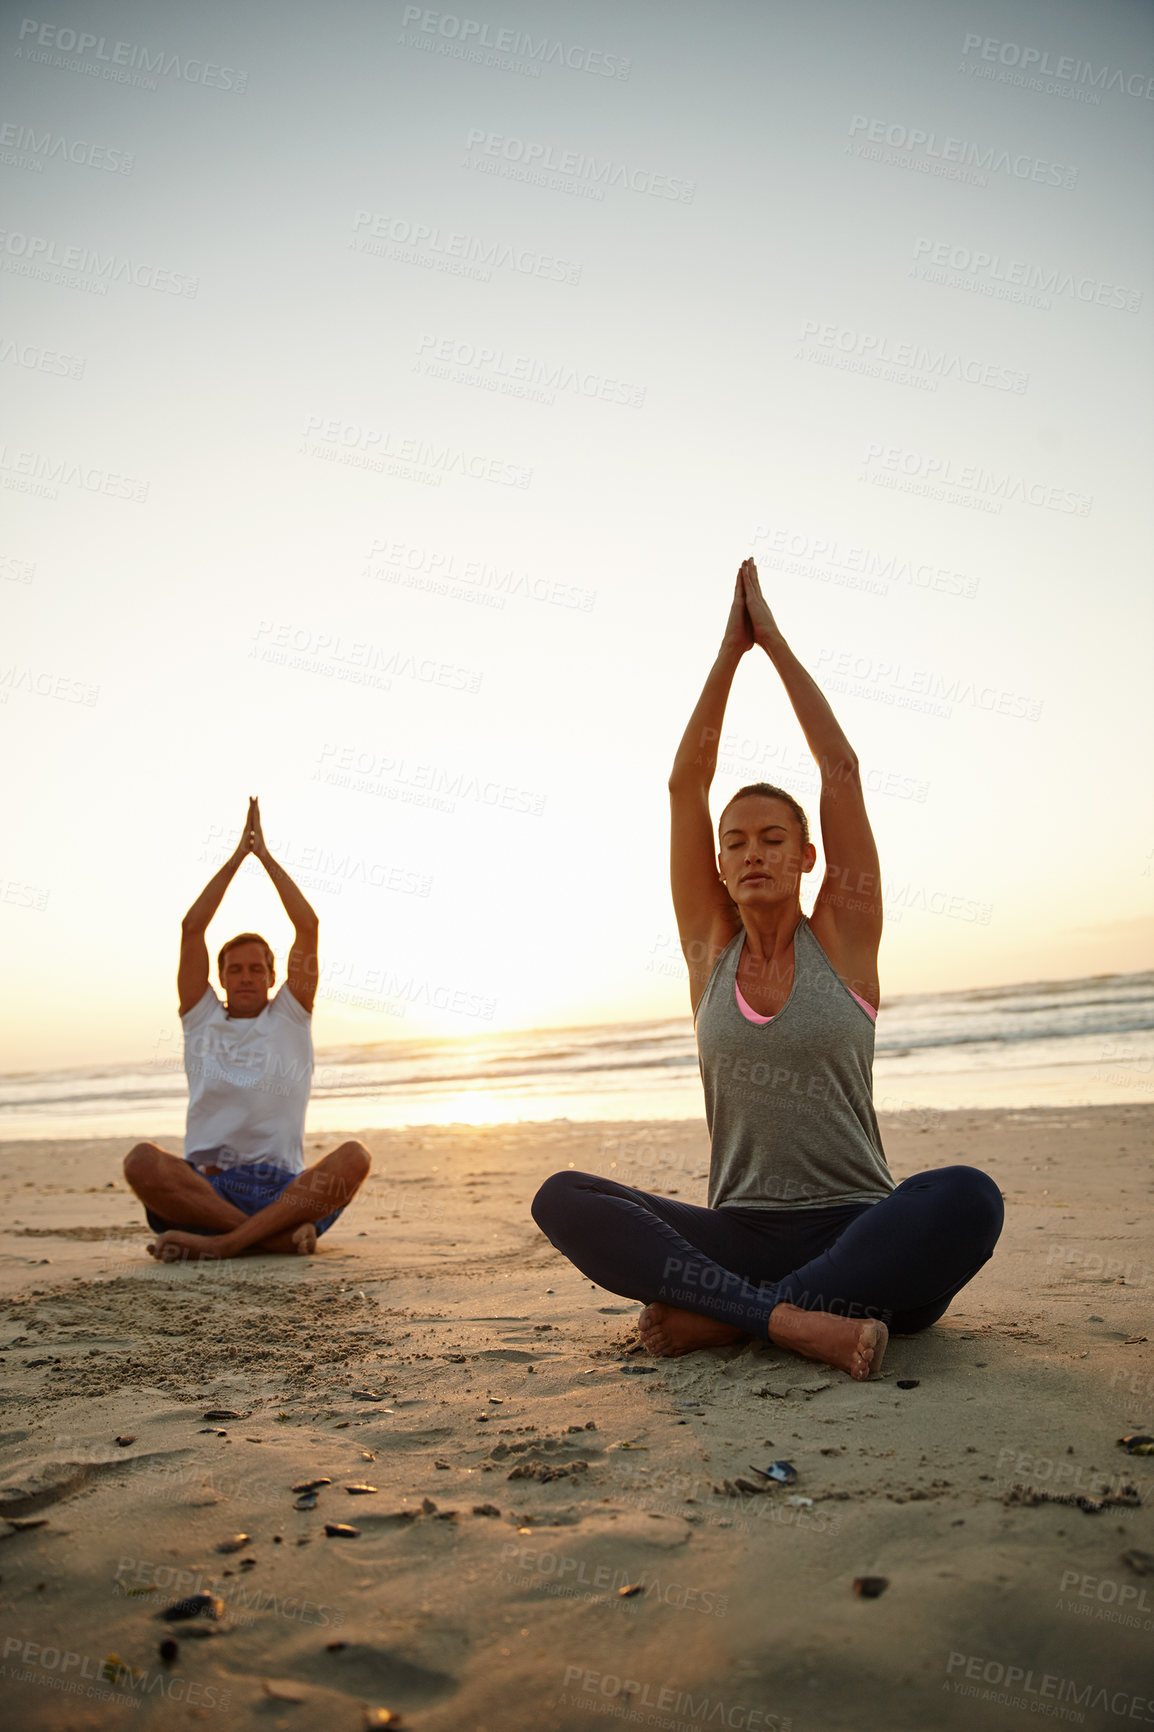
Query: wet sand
<point>551,1542</point>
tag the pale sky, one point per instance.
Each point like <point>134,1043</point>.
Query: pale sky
<point>393,466</point>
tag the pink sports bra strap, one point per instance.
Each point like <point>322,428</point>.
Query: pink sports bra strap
<point>752,1015</point>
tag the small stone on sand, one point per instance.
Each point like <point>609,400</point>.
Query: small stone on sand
<point>282,1690</point>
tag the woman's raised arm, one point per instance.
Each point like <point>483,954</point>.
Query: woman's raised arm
<point>847,916</point>
<point>706,917</point>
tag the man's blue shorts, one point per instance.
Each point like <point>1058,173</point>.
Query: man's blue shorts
<point>249,1188</point>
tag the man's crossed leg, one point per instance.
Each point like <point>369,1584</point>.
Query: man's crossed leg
<point>172,1189</point>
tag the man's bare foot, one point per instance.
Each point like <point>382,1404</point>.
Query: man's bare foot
<point>178,1247</point>
<point>856,1345</point>
<point>305,1239</point>
<point>668,1332</point>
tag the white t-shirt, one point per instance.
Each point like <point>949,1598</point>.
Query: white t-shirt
<point>248,1082</point>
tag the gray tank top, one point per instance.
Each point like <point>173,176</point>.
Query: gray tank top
<point>789,1103</point>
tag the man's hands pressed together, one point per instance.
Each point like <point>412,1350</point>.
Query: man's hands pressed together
<point>254,842</point>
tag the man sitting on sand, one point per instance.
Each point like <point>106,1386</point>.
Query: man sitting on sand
<point>242,1185</point>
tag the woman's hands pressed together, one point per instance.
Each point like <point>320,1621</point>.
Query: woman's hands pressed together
<point>739,635</point>
<point>763,627</point>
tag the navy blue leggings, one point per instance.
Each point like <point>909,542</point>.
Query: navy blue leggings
<point>901,1260</point>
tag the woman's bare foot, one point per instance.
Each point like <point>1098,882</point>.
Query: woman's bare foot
<point>668,1332</point>
<point>856,1345</point>
<point>305,1239</point>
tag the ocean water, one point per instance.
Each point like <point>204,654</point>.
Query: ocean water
<point>1049,1043</point>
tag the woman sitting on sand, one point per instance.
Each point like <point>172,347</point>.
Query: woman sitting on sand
<point>806,1238</point>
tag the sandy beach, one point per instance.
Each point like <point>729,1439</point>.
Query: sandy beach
<point>551,1541</point>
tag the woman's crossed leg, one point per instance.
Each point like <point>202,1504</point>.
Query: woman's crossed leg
<point>826,1282</point>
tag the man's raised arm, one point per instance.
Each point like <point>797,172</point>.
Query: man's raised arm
<point>302,963</point>
<point>192,975</point>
